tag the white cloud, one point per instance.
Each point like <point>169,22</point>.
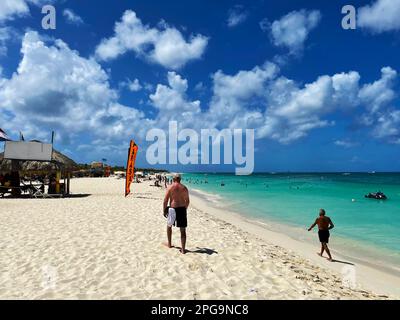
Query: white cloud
<point>264,25</point>
<point>287,111</point>
<point>387,126</point>
<point>346,143</point>
<point>56,89</point>
<point>292,30</point>
<point>173,97</point>
<point>148,86</point>
<point>133,86</point>
<point>236,16</point>
<point>379,93</point>
<point>235,93</point>
<point>5,35</point>
<point>165,46</point>
<point>232,95</point>
<point>9,9</point>
<point>276,107</point>
<point>71,17</point>
<point>200,87</point>
<point>346,88</point>
<point>380,16</point>
<point>245,83</point>
<point>380,114</point>
<point>172,51</point>
<point>294,111</point>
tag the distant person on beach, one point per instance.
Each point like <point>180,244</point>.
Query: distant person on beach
<point>324,225</point>
<point>177,196</point>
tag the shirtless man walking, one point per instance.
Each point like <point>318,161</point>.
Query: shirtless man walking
<point>177,196</point>
<point>324,225</point>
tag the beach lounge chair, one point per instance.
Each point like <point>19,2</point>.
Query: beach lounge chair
<point>14,191</point>
<point>35,192</point>
<point>4,191</point>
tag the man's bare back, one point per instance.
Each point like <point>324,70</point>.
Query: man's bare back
<point>178,195</point>
<point>323,222</point>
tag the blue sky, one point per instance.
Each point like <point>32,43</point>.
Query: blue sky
<point>319,97</point>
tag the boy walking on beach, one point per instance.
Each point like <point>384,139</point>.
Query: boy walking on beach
<point>177,196</point>
<point>324,225</point>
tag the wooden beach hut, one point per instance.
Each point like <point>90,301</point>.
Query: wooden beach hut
<point>60,167</point>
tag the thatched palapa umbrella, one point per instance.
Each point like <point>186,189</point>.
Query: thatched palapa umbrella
<point>61,165</point>
<point>60,161</point>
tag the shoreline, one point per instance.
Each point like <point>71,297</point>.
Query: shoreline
<point>374,277</point>
<point>107,246</point>
<point>361,252</point>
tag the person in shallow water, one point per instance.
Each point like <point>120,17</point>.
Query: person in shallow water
<point>177,196</point>
<point>324,225</point>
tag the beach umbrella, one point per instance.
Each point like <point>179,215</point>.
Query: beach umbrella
<point>59,161</point>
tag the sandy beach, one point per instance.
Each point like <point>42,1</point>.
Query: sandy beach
<point>100,245</point>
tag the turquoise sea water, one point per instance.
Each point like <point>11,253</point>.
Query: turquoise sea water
<point>295,198</point>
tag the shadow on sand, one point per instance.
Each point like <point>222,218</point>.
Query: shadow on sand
<point>80,195</point>
<point>149,198</point>
<point>344,262</point>
<point>201,251</point>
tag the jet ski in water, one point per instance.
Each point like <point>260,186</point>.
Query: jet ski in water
<point>376,195</point>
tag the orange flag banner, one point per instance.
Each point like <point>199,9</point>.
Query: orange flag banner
<point>130,167</point>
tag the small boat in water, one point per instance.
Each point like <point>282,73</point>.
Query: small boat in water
<point>376,195</point>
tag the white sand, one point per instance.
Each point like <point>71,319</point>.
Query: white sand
<point>105,246</point>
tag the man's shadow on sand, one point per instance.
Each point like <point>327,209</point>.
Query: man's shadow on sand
<point>150,198</point>
<point>344,262</point>
<point>201,251</point>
